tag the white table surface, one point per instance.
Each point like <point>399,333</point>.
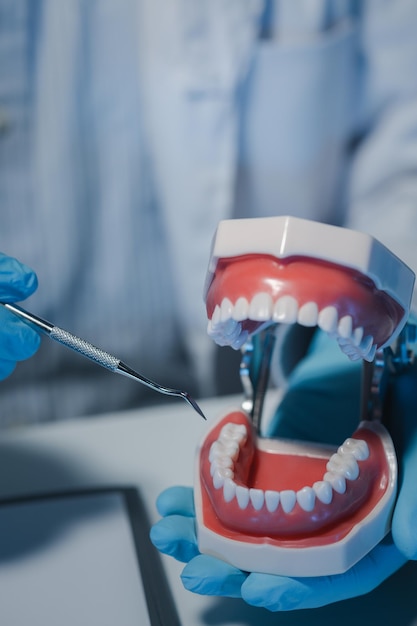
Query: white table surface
<point>153,448</point>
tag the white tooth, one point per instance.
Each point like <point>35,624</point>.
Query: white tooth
<point>219,477</point>
<point>260,308</point>
<point>306,498</point>
<point>308,314</point>
<point>220,464</point>
<point>238,343</point>
<point>213,468</point>
<point>367,348</point>
<point>229,490</point>
<point>215,318</point>
<point>366,344</point>
<point>328,319</point>
<point>215,332</point>
<point>221,473</point>
<point>218,481</point>
<point>351,470</point>
<point>240,310</point>
<point>345,465</point>
<point>335,464</point>
<point>337,481</point>
<point>257,498</point>
<point>357,335</point>
<point>220,449</point>
<point>220,340</point>
<point>285,310</point>
<point>227,430</point>
<point>234,336</point>
<point>342,341</point>
<point>288,500</point>
<point>233,432</point>
<point>225,450</point>
<point>233,451</point>
<point>345,327</point>
<point>358,447</point>
<point>271,500</point>
<point>237,332</point>
<point>228,328</point>
<point>209,327</point>
<point>350,350</point>
<point>371,354</point>
<point>226,310</point>
<point>242,495</point>
<point>219,452</point>
<point>323,491</point>
<point>216,449</point>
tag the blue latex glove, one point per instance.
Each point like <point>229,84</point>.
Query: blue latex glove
<point>322,404</point>
<point>17,340</point>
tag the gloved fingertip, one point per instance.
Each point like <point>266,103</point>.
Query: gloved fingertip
<point>209,576</point>
<point>30,281</point>
<point>176,500</point>
<point>157,537</point>
<point>19,341</point>
<point>403,529</point>
<point>31,343</point>
<point>175,536</point>
<point>275,593</point>
<point>17,280</point>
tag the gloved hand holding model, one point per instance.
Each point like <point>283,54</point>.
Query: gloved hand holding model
<point>19,341</point>
<point>333,540</point>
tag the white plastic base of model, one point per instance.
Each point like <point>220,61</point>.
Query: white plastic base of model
<point>325,560</point>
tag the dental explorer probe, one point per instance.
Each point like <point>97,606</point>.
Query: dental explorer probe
<point>100,357</point>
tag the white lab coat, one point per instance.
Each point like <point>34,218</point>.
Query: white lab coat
<point>138,124</point>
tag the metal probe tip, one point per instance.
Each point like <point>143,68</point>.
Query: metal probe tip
<point>86,349</point>
<point>193,403</point>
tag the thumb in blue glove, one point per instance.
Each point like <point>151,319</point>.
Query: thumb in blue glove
<point>402,423</point>
<point>17,340</point>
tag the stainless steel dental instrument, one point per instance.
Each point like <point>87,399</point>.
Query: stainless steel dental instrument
<point>100,357</point>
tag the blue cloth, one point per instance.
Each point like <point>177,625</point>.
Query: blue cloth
<point>129,128</point>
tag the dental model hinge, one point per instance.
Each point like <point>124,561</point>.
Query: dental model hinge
<point>255,367</point>
<point>388,362</point>
<point>245,377</point>
<point>402,356</point>
<point>374,385</point>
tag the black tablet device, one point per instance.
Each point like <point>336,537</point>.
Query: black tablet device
<point>81,557</point>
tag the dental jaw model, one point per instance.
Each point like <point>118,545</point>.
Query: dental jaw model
<point>288,507</point>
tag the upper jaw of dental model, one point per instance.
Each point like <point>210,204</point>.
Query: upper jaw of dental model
<point>288,270</point>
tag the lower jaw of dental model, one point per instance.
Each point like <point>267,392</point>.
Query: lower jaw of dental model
<point>289,508</point>
<point>296,508</point>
